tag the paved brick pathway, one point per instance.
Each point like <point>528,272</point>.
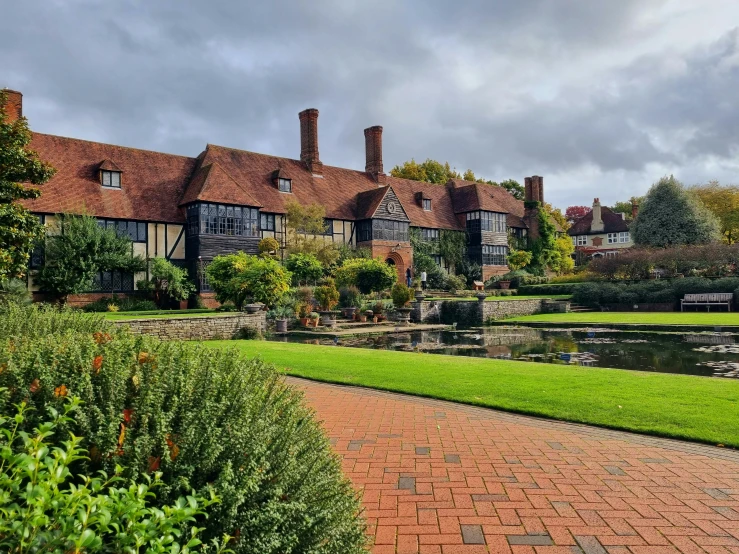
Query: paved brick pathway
<point>443,478</point>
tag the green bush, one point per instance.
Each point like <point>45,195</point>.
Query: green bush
<point>327,295</point>
<point>306,268</point>
<point>453,283</point>
<point>350,297</point>
<point>46,508</point>
<point>564,288</point>
<point>200,416</point>
<point>401,295</point>
<point>40,320</point>
<point>167,282</point>
<point>239,277</point>
<point>124,304</point>
<point>14,291</point>
<point>368,275</point>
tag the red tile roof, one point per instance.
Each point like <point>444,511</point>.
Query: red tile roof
<point>156,186</point>
<point>612,221</point>
<point>151,182</point>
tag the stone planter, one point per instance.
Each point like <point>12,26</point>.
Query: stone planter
<point>328,318</point>
<point>420,296</point>
<point>481,296</point>
<point>253,308</point>
<point>505,285</point>
<point>404,314</point>
<point>281,325</point>
<point>349,312</point>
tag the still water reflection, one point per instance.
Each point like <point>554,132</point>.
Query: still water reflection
<point>707,354</point>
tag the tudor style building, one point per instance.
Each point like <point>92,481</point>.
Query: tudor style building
<point>189,210</point>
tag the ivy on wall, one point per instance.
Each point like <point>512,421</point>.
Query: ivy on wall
<point>453,246</point>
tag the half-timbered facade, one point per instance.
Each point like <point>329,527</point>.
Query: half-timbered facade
<point>190,209</point>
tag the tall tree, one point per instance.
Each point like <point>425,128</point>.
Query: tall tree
<point>671,216</point>
<point>20,230</point>
<point>516,189</point>
<point>429,171</point>
<point>79,251</point>
<point>573,213</point>
<point>627,207</point>
<point>306,227</point>
<point>723,201</point>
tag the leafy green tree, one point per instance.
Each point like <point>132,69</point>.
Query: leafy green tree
<point>429,171</point>
<point>516,189</point>
<point>167,282</point>
<point>306,230</point>
<point>20,230</point>
<point>79,251</point>
<point>306,268</point>
<point>518,259</point>
<point>544,249</point>
<point>626,207</point>
<point>46,508</point>
<point>670,216</point>
<point>368,275</point>
<point>723,201</point>
<point>238,277</point>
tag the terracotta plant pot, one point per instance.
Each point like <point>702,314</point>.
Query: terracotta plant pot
<point>362,318</point>
<point>504,285</point>
<point>304,321</point>
<point>374,319</point>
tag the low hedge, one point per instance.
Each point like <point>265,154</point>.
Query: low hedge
<point>549,288</point>
<point>198,415</point>
<point>652,291</point>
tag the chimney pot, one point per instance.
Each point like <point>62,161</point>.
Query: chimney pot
<point>373,151</point>
<point>13,105</point>
<point>309,140</point>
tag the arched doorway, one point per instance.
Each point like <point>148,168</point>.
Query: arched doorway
<point>395,260</point>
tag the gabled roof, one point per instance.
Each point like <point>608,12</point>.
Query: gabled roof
<point>612,221</point>
<point>108,165</point>
<point>470,196</point>
<point>212,184</point>
<point>152,180</point>
<point>368,202</point>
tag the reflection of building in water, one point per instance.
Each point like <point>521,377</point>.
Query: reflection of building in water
<point>710,339</point>
<point>496,336</point>
<point>498,351</point>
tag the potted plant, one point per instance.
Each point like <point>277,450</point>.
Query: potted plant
<point>253,307</point>
<point>281,315</point>
<point>378,311</point>
<point>303,312</point>
<point>349,299</point>
<point>327,297</point>
<point>368,315</point>
<point>402,296</point>
<point>313,319</point>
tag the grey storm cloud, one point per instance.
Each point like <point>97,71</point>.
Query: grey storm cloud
<point>577,90</point>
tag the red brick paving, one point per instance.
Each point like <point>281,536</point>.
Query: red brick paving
<point>523,485</point>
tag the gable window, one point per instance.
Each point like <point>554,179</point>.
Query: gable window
<point>111,179</point>
<point>612,238</point>
<point>430,234</point>
<point>427,204</point>
<point>285,185</point>
<point>582,240</point>
<point>268,222</point>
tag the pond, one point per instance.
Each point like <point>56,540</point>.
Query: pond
<point>706,354</point>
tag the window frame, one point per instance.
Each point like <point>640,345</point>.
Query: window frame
<point>285,185</point>
<point>426,202</point>
<point>612,238</point>
<point>624,237</point>
<point>582,240</point>
<point>110,174</point>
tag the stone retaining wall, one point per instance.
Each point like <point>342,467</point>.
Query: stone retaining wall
<point>473,312</point>
<point>194,327</point>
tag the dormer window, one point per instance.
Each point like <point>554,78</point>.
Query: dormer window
<point>427,204</point>
<point>285,185</point>
<point>111,179</point>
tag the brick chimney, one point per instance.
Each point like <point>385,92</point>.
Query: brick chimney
<point>13,105</point>
<point>597,225</point>
<point>634,210</point>
<point>373,151</point>
<point>309,141</point>
<point>533,198</point>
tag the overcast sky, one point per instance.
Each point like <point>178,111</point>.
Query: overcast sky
<point>601,97</point>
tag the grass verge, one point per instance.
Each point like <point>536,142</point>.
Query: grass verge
<point>678,406</point>
<point>643,318</point>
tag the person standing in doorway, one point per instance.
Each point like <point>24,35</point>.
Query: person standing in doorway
<point>408,280</point>
<point>423,280</point>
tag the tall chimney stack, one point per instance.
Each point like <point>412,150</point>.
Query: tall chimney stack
<point>533,198</point>
<point>13,105</point>
<point>597,225</point>
<point>634,209</point>
<point>373,151</point>
<point>309,141</point>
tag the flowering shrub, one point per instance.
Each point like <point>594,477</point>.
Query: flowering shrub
<point>200,416</point>
<point>42,512</point>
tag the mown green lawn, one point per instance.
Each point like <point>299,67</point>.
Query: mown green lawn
<point>646,318</point>
<point>695,408</point>
<point>506,298</point>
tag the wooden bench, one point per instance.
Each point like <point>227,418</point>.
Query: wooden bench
<point>708,300</point>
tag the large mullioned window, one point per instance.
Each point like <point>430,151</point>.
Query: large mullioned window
<point>486,221</point>
<point>220,219</point>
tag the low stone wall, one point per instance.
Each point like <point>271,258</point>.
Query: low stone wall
<point>195,327</point>
<point>509,308</point>
<point>474,312</point>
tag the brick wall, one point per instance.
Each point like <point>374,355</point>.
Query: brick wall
<point>196,328</point>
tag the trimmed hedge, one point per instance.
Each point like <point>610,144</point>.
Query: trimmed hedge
<point>200,416</point>
<point>653,291</point>
<point>549,288</point>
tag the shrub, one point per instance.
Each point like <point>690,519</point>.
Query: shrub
<point>401,295</point>
<point>304,267</point>
<point>350,297</point>
<point>41,320</point>
<point>167,282</point>
<point>368,275</point>
<point>518,259</point>
<point>42,512</point>
<point>200,416</point>
<point>14,291</point>
<point>453,283</point>
<point>238,277</point>
<point>327,296</point>
<point>581,277</point>
<point>555,289</point>
<point>268,246</point>
<point>123,305</point>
